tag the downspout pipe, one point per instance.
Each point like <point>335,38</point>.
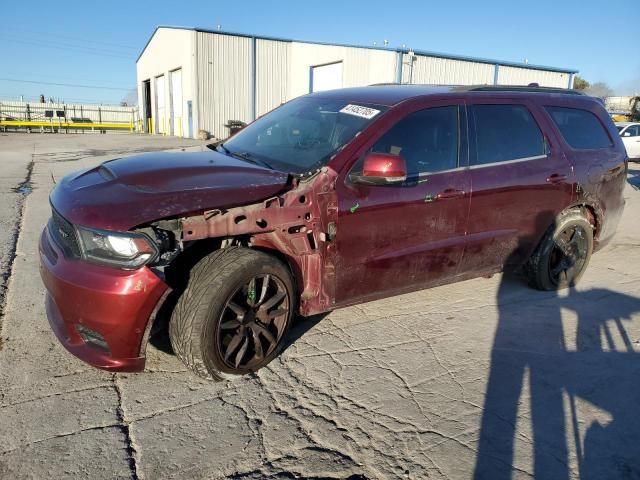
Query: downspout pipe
<point>399,55</point>
<point>253,79</point>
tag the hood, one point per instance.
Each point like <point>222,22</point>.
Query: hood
<point>124,193</point>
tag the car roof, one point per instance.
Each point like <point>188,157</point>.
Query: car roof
<point>392,94</point>
<point>626,124</point>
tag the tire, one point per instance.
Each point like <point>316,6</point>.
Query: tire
<point>568,243</point>
<point>208,318</point>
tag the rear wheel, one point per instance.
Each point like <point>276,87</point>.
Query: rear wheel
<point>233,315</point>
<point>563,255</point>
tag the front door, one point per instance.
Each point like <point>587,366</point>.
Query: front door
<point>407,236</point>
<point>520,181</point>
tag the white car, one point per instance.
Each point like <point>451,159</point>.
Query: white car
<point>630,133</point>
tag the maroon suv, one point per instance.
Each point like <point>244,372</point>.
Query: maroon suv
<point>333,199</point>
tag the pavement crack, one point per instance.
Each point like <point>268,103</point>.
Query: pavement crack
<point>60,435</point>
<point>24,188</point>
<point>56,394</point>
<point>125,427</point>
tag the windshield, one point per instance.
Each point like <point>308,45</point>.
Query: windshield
<point>302,135</point>
<point>620,127</point>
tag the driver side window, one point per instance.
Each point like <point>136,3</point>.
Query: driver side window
<point>428,140</point>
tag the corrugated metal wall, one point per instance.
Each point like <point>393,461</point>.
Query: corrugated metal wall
<point>272,74</point>
<point>170,49</point>
<point>361,66</point>
<point>618,104</point>
<point>525,76</point>
<point>366,67</point>
<point>223,67</point>
<point>445,71</point>
<point>224,86</point>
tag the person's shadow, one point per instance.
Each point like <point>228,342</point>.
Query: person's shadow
<point>594,366</point>
<point>633,176</point>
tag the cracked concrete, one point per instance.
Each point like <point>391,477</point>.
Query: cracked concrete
<point>484,378</point>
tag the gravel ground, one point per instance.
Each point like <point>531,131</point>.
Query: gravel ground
<point>484,377</point>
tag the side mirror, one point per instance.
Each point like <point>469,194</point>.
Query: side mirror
<point>626,134</point>
<point>381,169</point>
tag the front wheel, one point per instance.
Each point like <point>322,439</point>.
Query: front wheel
<point>563,255</point>
<point>234,313</point>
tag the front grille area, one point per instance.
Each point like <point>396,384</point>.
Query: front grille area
<point>64,234</point>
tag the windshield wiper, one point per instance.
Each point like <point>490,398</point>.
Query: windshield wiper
<point>246,156</point>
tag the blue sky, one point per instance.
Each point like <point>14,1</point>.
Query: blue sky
<point>96,43</point>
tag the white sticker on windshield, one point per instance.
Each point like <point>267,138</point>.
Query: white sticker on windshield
<point>360,111</point>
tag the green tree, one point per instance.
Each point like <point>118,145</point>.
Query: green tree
<point>634,102</point>
<point>580,83</point>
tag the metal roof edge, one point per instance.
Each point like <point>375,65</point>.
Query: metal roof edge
<point>158,27</point>
<point>425,53</point>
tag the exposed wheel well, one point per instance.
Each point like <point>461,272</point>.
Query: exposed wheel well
<point>589,212</point>
<point>593,219</point>
<point>177,273</point>
<point>296,275</point>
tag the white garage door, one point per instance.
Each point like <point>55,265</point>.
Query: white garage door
<point>176,103</point>
<point>160,106</point>
<point>326,77</point>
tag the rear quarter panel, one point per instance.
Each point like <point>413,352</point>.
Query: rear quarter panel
<point>600,174</point>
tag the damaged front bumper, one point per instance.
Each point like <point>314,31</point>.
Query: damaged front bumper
<point>102,315</point>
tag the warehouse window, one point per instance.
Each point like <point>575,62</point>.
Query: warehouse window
<point>580,128</point>
<point>504,133</point>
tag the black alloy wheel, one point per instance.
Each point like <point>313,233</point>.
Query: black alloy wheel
<point>569,255</point>
<point>233,315</point>
<point>252,322</point>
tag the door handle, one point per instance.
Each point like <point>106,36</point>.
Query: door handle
<point>556,178</point>
<point>450,193</point>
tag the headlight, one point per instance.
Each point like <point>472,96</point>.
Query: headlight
<point>124,250</point>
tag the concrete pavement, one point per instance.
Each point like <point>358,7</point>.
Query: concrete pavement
<point>485,376</point>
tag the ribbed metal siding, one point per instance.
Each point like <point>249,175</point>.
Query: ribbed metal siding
<point>445,71</point>
<point>224,84</point>
<point>272,74</point>
<point>525,76</point>
<point>365,67</point>
<point>360,66</point>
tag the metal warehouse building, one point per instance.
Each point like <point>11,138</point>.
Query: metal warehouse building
<point>192,79</point>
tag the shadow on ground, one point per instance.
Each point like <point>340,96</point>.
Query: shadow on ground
<point>634,175</point>
<point>570,368</point>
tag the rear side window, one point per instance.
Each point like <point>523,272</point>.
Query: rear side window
<point>580,128</point>
<point>506,132</point>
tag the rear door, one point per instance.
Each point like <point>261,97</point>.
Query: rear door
<point>520,181</point>
<point>407,236</point>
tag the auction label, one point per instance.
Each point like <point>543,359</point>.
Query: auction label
<point>360,111</point>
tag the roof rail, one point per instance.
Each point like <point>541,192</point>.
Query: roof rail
<point>489,88</point>
<point>518,88</point>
